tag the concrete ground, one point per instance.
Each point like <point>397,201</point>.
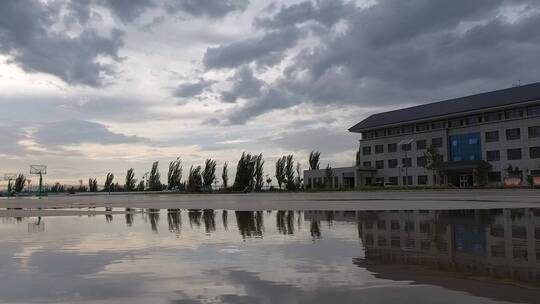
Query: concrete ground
<point>376,200</point>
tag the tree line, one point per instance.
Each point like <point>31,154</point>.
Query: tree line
<point>250,176</point>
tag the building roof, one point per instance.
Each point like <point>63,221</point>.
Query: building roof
<point>480,101</point>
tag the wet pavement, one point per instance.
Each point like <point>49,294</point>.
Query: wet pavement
<point>270,256</point>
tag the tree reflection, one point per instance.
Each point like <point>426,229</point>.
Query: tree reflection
<point>153,215</point>
<point>285,222</point>
<point>129,217</point>
<point>250,223</point>
<point>174,219</point>
<point>224,218</point>
<point>315,229</point>
<point>209,220</point>
<point>194,217</point>
<point>108,218</point>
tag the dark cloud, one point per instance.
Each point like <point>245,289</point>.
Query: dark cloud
<point>325,12</point>
<point>9,137</point>
<point>74,132</point>
<point>237,53</point>
<point>207,8</point>
<point>26,37</point>
<point>128,10</point>
<point>245,85</point>
<point>192,89</point>
<point>406,52</point>
<point>316,139</point>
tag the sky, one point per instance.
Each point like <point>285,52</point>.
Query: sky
<point>95,86</point>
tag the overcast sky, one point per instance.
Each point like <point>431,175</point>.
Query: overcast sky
<point>92,86</point>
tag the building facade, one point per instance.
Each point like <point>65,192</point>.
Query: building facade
<point>488,139</point>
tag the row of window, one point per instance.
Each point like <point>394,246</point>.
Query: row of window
<point>421,161</point>
<point>421,144</point>
<point>512,154</point>
<point>512,134</point>
<point>454,122</point>
<point>405,180</point>
<point>395,242</point>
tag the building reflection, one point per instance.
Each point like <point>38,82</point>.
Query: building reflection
<point>498,243</point>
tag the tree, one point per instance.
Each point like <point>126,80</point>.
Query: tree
<point>314,160</point>
<point>280,170</point>
<point>259,172</point>
<point>433,160</point>
<point>154,180</point>
<point>131,181</point>
<point>298,179</point>
<point>245,172</point>
<point>140,186</point>
<point>109,182</point>
<point>209,174</point>
<point>20,181</point>
<point>268,180</point>
<point>329,175</point>
<point>225,175</point>
<point>289,173</point>
<point>92,185</point>
<point>195,182</point>
<point>174,176</point>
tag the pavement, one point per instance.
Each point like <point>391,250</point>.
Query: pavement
<point>374,200</point>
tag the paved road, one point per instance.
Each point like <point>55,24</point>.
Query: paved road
<point>377,200</point>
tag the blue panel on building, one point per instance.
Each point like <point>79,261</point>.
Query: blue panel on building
<point>465,147</point>
<point>470,239</point>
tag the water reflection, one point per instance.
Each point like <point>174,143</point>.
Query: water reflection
<point>441,256</point>
<point>250,223</point>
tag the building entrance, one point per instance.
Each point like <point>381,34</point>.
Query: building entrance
<point>465,180</point>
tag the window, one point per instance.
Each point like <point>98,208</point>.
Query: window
<point>437,142</point>
<point>424,227</point>
<point>533,111</point>
<point>393,131</point>
<point>392,163</point>
<point>421,161</point>
<point>517,113</point>
<point>438,125</point>
<point>493,155</point>
<point>534,152</point>
<point>394,225</point>
<point>519,232</point>
<point>407,129</point>
<point>368,135</point>
<point>492,136</point>
<point>422,179</point>
<point>457,122</point>
<point>366,150</point>
<point>422,127</point>
<point>393,180</point>
<point>497,251</point>
<point>366,164</point>
<point>534,132</point>
<point>392,148</point>
<point>379,180</point>
<point>494,177</point>
<point>379,164</point>
<point>497,230</point>
<point>380,133</point>
<point>513,154</point>
<point>512,134</point>
<point>395,242</point>
<point>406,147</point>
<point>493,116</point>
<point>465,147</point>
<point>471,120</point>
<point>421,144</point>
<point>379,149</point>
<point>409,226</point>
<point>406,162</point>
<point>381,224</point>
<point>407,180</point>
<point>519,253</point>
<point>381,241</point>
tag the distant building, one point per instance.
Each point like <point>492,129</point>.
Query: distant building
<point>478,137</point>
